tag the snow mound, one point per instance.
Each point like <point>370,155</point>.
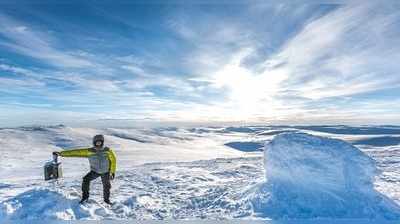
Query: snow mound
<point>309,176</point>
<point>41,204</point>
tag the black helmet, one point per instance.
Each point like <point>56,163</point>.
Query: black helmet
<point>97,138</point>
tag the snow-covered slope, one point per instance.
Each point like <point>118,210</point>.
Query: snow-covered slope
<point>33,145</point>
<point>213,189</point>
<point>195,173</point>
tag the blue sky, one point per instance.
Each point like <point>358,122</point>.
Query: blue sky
<point>260,62</point>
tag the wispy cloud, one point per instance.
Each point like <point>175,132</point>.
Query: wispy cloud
<point>36,44</point>
<point>351,50</point>
<point>344,53</point>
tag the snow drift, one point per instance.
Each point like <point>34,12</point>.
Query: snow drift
<point>309,177</point>
<point>205,173</point>
<point>40,204</point>
<point>204,189</point>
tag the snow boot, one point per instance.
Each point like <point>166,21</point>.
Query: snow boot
<point>83,200</point>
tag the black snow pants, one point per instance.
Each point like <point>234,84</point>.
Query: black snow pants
<point>105,179</point>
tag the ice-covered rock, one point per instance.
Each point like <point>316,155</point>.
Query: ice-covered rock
<point>309,176</point>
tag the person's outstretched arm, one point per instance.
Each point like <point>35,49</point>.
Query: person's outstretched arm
<point>84,152</point>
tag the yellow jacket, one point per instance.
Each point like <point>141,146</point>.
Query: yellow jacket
<point>101,161</point>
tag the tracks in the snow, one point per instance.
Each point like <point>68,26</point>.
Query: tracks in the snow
<point>202,189</point>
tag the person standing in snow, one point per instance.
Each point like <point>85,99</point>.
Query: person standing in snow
<point>103,164</point>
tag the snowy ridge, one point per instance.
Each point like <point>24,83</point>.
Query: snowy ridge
<point>312,177</point>
<point>34,145</point>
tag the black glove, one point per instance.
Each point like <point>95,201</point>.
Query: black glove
<point>112,176</point>
<point>56,153</point>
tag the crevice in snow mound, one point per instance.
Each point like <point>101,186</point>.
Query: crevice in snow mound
<point>317,177</point>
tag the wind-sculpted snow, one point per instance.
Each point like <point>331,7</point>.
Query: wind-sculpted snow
<point>316,177</point>
<point>205,173</point>
<point>41,204</point>
<point>212,189</point>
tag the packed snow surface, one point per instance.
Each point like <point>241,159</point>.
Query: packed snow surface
<point>207,173</point>
<point>310,176</point>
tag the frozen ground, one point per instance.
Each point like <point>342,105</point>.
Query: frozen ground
<point>166,173</point>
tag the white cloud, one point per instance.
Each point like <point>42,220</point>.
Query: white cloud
<point>37,44</point>
<point>21,29</point>
<point>134,69</point>
<point>17,70</point>
<point>337,55</point>
<point>341,53</point>
<point>15,83</point>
